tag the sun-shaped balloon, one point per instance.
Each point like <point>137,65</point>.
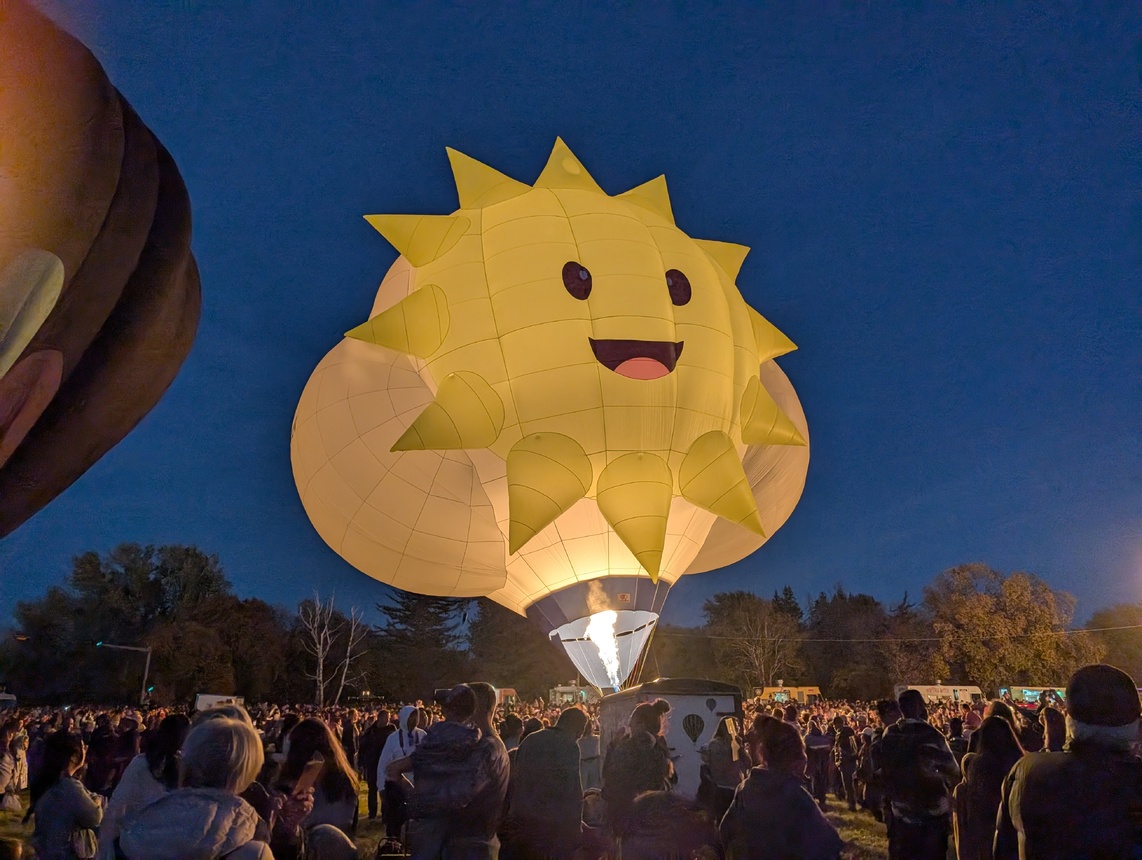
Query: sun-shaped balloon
<point>558,394</point>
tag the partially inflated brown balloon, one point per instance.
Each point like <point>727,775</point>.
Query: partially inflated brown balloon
<point>99,292</point>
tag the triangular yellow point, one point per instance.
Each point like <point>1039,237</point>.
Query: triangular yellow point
<point>467,413</point>
<point>417,324</point>
<point>479,185</point>
<point>711,476</point>
<point>564,170</point>
<point>763,422</point>
<point>726,254</point>
<point>420,238</point>
<point>771,341</point>
<point>652,195</point>
<point>634,495</point>
<point>547,474</point>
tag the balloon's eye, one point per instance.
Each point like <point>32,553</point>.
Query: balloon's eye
<point>577,279</point>
<point>679,286</point>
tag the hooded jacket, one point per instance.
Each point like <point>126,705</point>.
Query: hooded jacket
<point>193,824</point>
<point>445,769</point>
<point>773,817</point>
<point>400,743</point>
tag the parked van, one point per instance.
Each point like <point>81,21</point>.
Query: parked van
<point>696,709</point>
<point>942,693</point>
<point>784,695</point>
<point>1022,695</point>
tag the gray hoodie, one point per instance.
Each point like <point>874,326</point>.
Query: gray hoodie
<point>193,824</point>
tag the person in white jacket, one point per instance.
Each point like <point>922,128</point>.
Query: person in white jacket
<point>400,743</point>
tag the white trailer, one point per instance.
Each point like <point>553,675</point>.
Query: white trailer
<point>696,709</point>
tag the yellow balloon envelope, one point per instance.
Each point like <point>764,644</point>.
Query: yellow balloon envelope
<point>561,402</point>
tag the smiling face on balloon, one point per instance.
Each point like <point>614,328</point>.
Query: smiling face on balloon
<point>589,342</point>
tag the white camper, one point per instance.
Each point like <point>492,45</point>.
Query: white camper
<point>204,701</point>
<point>942,693</point>
<point>696,709</point>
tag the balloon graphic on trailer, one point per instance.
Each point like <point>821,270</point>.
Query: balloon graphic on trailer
<point>99,292</point>
<point>561,402</point>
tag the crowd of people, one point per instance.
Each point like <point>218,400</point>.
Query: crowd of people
<point>460,778</point>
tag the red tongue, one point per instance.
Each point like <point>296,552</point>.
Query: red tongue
<point>642,368</point>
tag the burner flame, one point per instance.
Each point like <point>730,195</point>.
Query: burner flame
<point>601,631</point>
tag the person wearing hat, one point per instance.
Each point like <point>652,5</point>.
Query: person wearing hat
<point>1086,801</point>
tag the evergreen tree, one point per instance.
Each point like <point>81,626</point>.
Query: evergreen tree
<point>508,650</point>
<point>787,604</point>
<point>418,647</point>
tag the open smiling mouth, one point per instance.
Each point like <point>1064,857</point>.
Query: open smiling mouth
<point>637,359</point>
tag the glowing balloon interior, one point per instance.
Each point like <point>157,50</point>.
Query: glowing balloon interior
<point>560,401</point>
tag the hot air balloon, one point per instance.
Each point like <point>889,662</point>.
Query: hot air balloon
<point>99,294</point>
<point>560,401</point>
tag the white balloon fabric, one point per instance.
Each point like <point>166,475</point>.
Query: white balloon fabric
<point>560,401</point>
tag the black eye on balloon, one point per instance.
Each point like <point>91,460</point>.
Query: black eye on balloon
<point>577,280</point>
<point>679,286</point>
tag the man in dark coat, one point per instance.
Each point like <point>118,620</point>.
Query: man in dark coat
<point>917,771</point>
<point>545,817</point>
<point>369,755</point>
<point>1085,802</point>
<point>845,751</point>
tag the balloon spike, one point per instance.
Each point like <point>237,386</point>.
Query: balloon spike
<point>466,413</point>
<point>416,325</point>
<point>420,238</point>
<point>711,476</point>
<point>564,170</point>
<point>771,342</point>
<point>547,474</point>
<point>763,422</point>
<point>634,493</point>
<point>726,254</point>
<point>479,185</point>
<point>653,196</point>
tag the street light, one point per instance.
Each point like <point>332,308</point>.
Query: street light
<point>146,668</point>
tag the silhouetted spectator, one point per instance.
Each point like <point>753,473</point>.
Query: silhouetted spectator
<point>1085,802</point>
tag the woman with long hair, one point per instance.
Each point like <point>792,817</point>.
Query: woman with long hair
<point>335,798</point>
<point>976,800</point>
<point>637,762</point>
<point>66,813</point>
<point>146,778</point>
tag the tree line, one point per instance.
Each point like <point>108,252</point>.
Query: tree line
<point>177,601</point>
<point>972,625</point>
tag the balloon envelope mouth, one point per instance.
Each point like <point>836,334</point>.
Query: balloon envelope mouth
<point>638,359</point>
<point>629,634</point>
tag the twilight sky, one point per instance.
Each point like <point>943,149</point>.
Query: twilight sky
<point>944,206</point>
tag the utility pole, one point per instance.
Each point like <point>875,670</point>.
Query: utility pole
<point>146,667</point>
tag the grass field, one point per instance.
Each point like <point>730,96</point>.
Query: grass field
<point>864,837</point>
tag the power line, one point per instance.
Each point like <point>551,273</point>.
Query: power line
<point>906,639</point>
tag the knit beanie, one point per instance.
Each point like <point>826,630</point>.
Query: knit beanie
<point>1102,695</point>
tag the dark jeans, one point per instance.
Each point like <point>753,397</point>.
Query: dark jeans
<point>819,775</point>
<point>371,782</point>
<point>847,772</point>
<point>394,812</point>
<point>919,839</point>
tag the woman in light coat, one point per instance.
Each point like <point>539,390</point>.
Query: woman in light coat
<point>204,817</point>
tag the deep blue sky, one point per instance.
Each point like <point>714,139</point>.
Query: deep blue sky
<point>943,205</point>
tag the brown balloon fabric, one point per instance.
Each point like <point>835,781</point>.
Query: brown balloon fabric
<point>82,177</point>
